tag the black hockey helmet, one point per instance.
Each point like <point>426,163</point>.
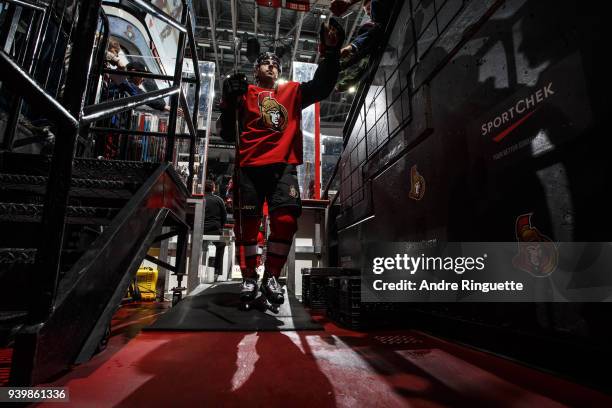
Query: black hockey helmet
<point>264,56</point>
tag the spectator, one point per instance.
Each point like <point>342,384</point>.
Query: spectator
<point>355,56</point>
<point>113,58</point>
<point>215,217</point>
<point>369,33</point>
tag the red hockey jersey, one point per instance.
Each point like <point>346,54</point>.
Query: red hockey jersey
<point>271,126</point>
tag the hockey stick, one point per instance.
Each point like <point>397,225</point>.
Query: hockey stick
<point>237,137</point>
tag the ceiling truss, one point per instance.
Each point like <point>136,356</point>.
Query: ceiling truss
<point>223,26</point>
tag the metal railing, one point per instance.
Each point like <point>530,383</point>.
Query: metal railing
<point>361,93</point>
<point>27,56</point>
<point>72,119</point>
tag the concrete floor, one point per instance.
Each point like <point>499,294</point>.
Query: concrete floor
<point>334,367</point>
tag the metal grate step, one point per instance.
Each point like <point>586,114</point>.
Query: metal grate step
<point>76,215</point>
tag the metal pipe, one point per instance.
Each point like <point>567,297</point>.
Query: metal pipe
<point>148,75</point>
<point>213,36</point>
<point>103,110</point>
<point>192,132</point>
<point>192,145</point>
<point>186,116</point>
<point>14,76</point>
<point>26,4</point>
<point>192,152</point>
<point>174,100</point>
<point>297,40</point>
<point>278,16</point>
<point>194,50</point>
<point>160,14</point>
<point>36,46</point>
<point>23,53</point>
<point>255,20</point>
<point>6,31</point>
<point>136,132</point>
<point>234,17</point>
<point>99,65</point>
<point>15,16</point>
<point>68,54</point>
<point>57,37</point>
<point>44,29</point>
<point>303,38</point>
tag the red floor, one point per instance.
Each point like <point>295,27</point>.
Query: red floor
<point>334,367</point>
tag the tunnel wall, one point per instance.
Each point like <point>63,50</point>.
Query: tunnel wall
<point>478,113</point>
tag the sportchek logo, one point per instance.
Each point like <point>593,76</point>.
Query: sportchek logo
<point>516,114</point>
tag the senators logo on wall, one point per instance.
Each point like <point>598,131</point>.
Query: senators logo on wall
<point>537,254</point>
<point>417,184</point>
<point>273,114</point>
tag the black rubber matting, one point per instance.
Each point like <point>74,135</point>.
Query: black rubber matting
<point>217,308</point>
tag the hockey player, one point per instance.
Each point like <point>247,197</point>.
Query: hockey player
<point>269,149</point>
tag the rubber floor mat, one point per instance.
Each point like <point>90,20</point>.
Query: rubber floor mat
<point>217,309</point>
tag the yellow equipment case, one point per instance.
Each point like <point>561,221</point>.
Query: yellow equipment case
<point>146,281</point>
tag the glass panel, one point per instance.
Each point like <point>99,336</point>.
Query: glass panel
<point>207,77</point>
<point>164,36</point>
<point>302,72</point>
<point>330,152</point>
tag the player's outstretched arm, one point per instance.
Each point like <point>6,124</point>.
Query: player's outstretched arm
<point>331,39</point>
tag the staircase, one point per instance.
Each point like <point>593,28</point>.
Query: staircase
<point>58,297</point>
<point>116,209</point>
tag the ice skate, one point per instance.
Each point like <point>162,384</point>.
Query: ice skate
<point>248,293</point>
<point>273,291</point>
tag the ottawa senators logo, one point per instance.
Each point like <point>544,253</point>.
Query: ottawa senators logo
<point>537,254</point>
<point>417,184</point>
<point>273,114</point>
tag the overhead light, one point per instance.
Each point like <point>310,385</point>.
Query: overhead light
<point>225,47</point>
<point>351,89</point>
<point>323,16</point>
<point>304,56</point>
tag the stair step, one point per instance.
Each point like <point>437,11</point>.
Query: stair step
<point>17,255</point>
<point>18,180</point>
<point>75,214</point>
<point>27,256</point>
<point>23,186</point>
<point>115,170</point>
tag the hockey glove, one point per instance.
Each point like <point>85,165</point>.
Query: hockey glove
<point>331,38</point>
<point>233,88</point>
<point>339,7</point>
